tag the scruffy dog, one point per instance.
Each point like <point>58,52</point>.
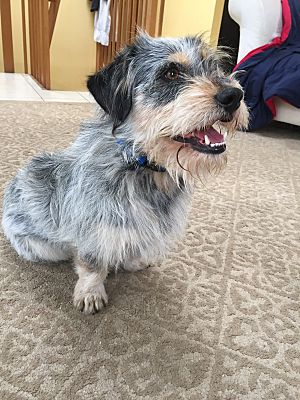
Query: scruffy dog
<point>118,196</point>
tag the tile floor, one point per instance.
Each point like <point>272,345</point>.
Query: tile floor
<point>23,87</point>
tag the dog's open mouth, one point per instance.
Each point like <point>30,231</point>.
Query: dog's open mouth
<point>204,141</point>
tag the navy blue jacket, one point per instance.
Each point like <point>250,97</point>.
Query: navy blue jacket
<point>273,70</point>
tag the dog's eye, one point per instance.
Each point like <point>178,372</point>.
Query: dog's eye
<point>172,74</point>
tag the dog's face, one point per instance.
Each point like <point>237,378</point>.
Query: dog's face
<point>173,100</point>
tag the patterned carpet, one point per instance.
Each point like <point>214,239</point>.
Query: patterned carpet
<point>220,319</point>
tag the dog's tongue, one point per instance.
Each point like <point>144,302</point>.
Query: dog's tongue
<point>213,135</point>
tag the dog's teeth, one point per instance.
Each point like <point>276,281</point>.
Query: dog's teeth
<point>218,144</point>
<point>207,141</point>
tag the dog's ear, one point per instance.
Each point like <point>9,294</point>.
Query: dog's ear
<point>112,87</point>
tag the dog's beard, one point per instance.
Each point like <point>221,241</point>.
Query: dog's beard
<point>185,163</point>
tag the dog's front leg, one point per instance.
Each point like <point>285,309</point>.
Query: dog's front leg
<point>89,294</point>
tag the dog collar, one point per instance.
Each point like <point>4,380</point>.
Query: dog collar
<point>136,160</point>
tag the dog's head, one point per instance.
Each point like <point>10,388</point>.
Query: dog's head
<point>173,99</point>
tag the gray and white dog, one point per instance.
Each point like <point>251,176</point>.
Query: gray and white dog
<point>118,196</point>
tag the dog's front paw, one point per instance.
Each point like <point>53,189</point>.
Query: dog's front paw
<point>90,301</point>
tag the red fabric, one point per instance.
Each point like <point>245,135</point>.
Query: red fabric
<point>270,103</point>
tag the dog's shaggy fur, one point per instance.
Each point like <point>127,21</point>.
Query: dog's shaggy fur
<point>95,203</point>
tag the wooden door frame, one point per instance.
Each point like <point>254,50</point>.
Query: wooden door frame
<point>7,39</point>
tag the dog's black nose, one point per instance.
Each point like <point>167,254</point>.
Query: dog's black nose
<point>229,98</point>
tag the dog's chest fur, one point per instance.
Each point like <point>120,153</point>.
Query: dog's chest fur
<point>146,223</point>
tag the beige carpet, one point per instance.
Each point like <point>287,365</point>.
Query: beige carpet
<point>219,320</point>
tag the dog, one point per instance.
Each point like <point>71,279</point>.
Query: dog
<point>118,196</point>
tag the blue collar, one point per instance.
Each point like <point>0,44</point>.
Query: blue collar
<point>136,160</point>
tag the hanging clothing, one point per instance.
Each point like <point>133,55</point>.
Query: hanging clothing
<point>273,70</point>
<point>102,21</point>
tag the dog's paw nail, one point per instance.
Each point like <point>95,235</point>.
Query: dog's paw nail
<point>98,304</point>
<point>105,299</point>
<point>79,304</point>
